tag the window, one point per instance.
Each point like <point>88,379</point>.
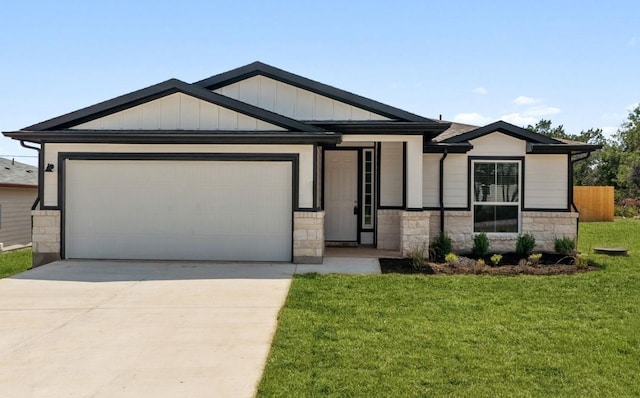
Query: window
<point>496,196</point>
<point>367,189</point>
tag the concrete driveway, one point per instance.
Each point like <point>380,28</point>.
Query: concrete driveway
<point>138,329</point>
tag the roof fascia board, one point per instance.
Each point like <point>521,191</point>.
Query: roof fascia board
<point>259,68</point>
<point>163,89</point>
<point>561,148</point>
<point>505,128</point>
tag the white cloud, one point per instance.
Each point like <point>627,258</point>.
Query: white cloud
<point>472,118</point>
<point>633,106</point>
<point>480,90</point>
<point>519,119</point>
<point>609,131</point>
<point>523,100</point>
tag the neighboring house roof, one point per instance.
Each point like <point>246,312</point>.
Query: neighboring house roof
<point>14,173</point>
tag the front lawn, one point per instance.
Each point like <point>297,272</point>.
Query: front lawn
<point>14,262</point>
<point>473,336</point>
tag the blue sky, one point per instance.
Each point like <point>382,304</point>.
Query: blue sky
<point>575,63</point>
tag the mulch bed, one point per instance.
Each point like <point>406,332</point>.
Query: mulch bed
<point>550,264</point>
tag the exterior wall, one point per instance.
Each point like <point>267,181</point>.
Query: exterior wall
<point>292,101</point>
<point>544,226</point>
<point>456,180</point>
<point>305,176</point>
<point>546,179</point>
<point>391,178</point>
<point>308,237</point>
<point>431,180</point>
<point>414,231</point>
<point>389,229</point>
<point>178,112</point>
<point>15,215</point>
<point>46,236</point>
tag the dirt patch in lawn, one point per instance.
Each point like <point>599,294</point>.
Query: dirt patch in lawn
<point>511,264</point>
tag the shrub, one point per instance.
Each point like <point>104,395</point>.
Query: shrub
<point>451,258</point>
<point>495,259</point>
<point>564,245</point>
<point>525,245</point>
<point>418,256</point>
<point>581,261</point>
<point>440,246</point>
<point>480,245</point>
<point>534,258</point>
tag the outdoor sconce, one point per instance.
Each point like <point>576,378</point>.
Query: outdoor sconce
<point>49,168</point>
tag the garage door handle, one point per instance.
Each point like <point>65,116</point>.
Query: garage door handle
<point>355,210</point>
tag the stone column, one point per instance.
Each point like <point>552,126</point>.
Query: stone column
<point>388,229</point>
<point>414,231</point>
<point>46,236</point>
<point>308,237</point>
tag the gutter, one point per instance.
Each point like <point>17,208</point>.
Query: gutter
<point>444,156</point>
<point>35,203</point>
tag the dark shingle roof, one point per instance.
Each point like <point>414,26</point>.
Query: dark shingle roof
<point>16,173</point>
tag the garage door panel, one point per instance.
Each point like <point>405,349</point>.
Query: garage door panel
<point>195,210</point>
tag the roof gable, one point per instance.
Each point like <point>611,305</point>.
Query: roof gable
<point>260,69</point>
<point>505,128</point>
<point>164,89</point>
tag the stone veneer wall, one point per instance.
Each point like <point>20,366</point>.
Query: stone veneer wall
<point>388,229</point>
<point>544,226</point>
<point>46,236</point>
<point>414,231</point>
<point>308,237</point>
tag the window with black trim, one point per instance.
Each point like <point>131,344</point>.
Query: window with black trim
<point>496,196</point>
<point>367,189</point>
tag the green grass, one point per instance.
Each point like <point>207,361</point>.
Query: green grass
<point>14,262</point>
<point>467,336</point>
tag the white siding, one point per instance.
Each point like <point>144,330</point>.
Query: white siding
<point>15,215</point>
<point>498,144</point>
<point>292,101</point>
<point>305,177</point>
<point>178,112</point>
<point>546,182</point>
<point>431,180</point>
<point>391,178</point>
<point>455,180</point>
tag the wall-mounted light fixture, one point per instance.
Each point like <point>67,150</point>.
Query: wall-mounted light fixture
<point>49,168</point>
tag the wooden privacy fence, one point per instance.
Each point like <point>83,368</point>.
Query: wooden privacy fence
<point>594,203</point>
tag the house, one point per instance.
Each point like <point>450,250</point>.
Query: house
<point>261,164</point>
<point>18,192</point>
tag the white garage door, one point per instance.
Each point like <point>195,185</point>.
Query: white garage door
<point>178,210</point>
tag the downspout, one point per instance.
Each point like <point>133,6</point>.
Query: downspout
<point>22,144</point>
<point>573,204</point>
<point>444,156</point>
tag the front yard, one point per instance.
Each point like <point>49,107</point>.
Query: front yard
<point>14,262</point>
<point>476,336</point>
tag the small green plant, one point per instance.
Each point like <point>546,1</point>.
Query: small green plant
<point>534,258</point>
<point>495,259</point>
<point>581,261</point>
<point>440,246</point>
<point>480,263</point>
<point>451,258</point>
<point>564,245</point>
<point>418,256</point>
<point>480,245</point>
<point>525,245</point>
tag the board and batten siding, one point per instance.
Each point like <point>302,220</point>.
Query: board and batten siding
<point>305,161</point>
<point>178,111</point>
<point>546,182</point>
<point>15,215</point>
<point>391,178</point>
<point>293,102</point>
